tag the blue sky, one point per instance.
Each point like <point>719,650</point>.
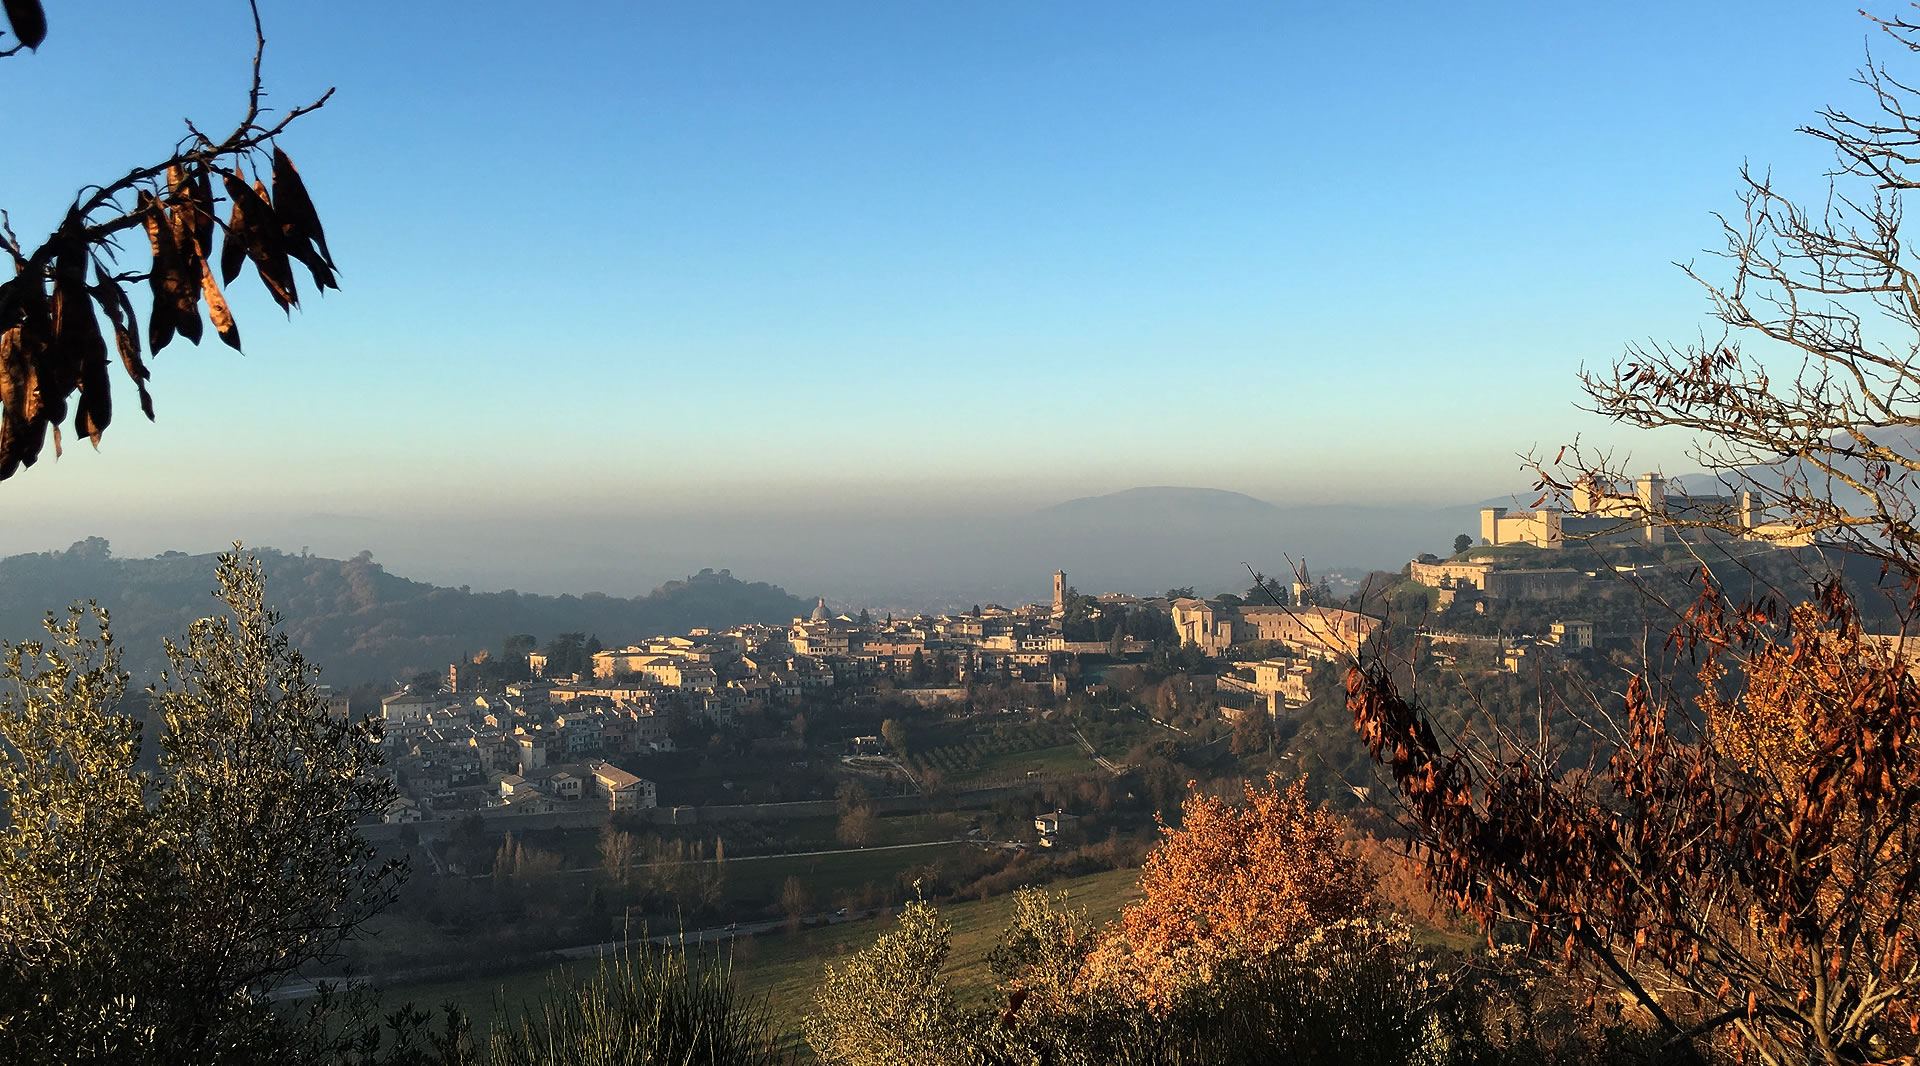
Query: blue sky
<point>694,257</point>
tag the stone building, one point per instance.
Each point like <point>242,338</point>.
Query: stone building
<point>1652,513</point>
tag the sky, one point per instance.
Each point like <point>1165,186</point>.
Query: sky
<point>661,260</point>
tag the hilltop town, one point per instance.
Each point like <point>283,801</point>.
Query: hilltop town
<point>577,730</point>
<point>542,735</point>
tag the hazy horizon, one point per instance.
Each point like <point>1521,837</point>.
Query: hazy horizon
<point>1111,542</point>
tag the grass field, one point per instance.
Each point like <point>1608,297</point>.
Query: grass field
<point>828,876</point>
<point>786,967</point>
<point>1065,758</point>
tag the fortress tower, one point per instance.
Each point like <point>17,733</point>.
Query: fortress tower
<point>1059,592</point>
<point>1652,491</point>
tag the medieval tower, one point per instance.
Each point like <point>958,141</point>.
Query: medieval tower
<point>1059,592</point>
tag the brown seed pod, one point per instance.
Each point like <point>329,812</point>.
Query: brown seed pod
<point>183,275</point>
<point>233,249</point>
<point>276,268</point>
<point>160,320</point>
<point>126,337</point>
<point>218,310</point>
<point>78,354</point>
<point>294,206</point>
<point>29,21</point>
<point>306,241</point>
<point>303,251</point>
<point>265,243</point>
<point>23,428</point>
<point>201,189</point>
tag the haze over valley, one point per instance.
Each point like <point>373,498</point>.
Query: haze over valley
<point>1138,540</point>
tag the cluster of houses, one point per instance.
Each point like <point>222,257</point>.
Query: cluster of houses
<point>551,743</point>
<point>717,674</point>
<point>517,751</point>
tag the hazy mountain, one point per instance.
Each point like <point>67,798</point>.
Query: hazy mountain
<point>1146,539</point>
<point>1162,501</point>
<point>357,621</point>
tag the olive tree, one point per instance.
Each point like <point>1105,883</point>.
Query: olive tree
<point>890,1004</point>
<point>147,913</point>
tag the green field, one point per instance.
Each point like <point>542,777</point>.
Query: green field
<point>989,751</point>
<point>829,876</point>
<point>786,967</point>
<point>1066,758</point>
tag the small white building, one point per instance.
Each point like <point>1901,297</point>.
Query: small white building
<point>403,811</point>
<point>622,790</point>
<point>408,708</point>
<point>1571,634</point>
<point>1051,825</point>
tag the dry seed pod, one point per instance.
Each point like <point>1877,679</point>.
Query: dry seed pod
<point>263,241</point>
<point>217,308</point>
<point>183,275</point>
<point>294,206</point>
<point>160,320</point>
<point>233,249</point>
<point>306,240</point>
<point>201,193</point>
<point>270,255</point>
<point>9,347</point>
<point>29,21</point>
<point>113,299</point>
<point>304,252</point>
<point>23,425</point>
<point>75,346</point>
<point>95,408</point>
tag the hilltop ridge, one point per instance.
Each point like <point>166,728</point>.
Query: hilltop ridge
<point>353,618</point>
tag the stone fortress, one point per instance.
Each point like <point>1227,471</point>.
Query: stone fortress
<point>1652,514</point>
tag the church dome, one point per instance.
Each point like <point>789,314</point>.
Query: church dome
<point>820,612</point>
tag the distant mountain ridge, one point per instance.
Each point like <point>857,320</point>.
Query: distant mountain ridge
<point>352,618</point>
<point>1148,538</point>
<point>1172,496</point>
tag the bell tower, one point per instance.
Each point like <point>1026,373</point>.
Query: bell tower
<point>1059,592</point>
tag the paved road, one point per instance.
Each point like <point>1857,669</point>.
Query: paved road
<point>731,859</point>
<point>1087,746</point>
<point>721,932</point>
<point>1158,722</point>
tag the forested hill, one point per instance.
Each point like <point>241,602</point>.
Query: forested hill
<point>350,616</point>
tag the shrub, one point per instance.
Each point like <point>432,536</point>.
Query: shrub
<point>1235,882</point>
<point>889,1005</point>
<point>645,1007</point>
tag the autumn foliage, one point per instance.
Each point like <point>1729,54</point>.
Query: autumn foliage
<point>1742,864</point>
<point>1235,882</point>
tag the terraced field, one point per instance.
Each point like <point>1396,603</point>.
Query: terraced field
<point>1000,753</point>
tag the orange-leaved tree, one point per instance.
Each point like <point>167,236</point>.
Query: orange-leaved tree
<point>1235,883</point>
<point>1746,864</point>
